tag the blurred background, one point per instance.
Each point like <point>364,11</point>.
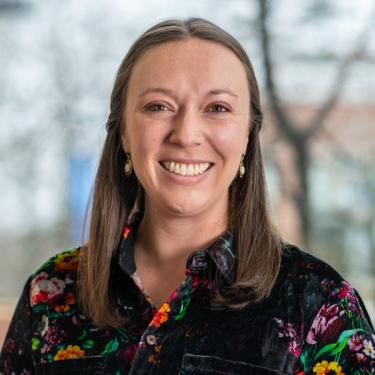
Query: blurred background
<point>315,62</point>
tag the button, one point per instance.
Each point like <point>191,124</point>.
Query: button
<point>151,339</point>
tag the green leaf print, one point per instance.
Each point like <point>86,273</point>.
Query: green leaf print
<point>125,334</point>
<point>303,358</point>
<point>82,335</point>
<point>344,338</point>
<point>40,307</point>
<point>327,349</point>
<point>35,343</point>
<point>111,347</point>
<point>337,347</point>
<point>184,305</point>
<point>88,344</point>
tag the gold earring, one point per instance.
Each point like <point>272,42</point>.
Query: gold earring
<point>128,165</point>
<point>242,167</point>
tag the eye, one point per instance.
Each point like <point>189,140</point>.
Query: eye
<point>220,107</point>
<point>156,107</point>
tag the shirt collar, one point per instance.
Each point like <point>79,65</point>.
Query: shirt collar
<point>219,254</point>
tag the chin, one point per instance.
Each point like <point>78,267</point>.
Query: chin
<point>184,208</point>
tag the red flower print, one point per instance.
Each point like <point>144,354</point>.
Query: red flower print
<point>326,324</point>
<point>173,296</point>
<point>126,231</point>
<point>195,281</point>
<point>161,316</point>
<point>346,291</point>
<point>44,289</point>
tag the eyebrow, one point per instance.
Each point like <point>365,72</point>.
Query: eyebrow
<point>170,92</point>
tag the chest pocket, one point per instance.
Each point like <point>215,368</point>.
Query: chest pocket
<point>206,364</point>
<point>82,366</point>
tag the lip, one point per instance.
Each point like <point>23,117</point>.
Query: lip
<point>186,180</point>
<point>187,161</point>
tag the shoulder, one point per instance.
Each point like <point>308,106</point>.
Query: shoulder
<point>62,262</point>
<point>314,287</point>
<point>54,282</point>
<point>307,282</point>
<point>303,269</point>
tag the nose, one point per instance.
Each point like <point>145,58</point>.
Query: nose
<point>186,129</point>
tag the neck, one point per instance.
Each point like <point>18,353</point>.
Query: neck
<point>166,240</point>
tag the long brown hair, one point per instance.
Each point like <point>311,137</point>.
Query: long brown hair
<point>256,242</point>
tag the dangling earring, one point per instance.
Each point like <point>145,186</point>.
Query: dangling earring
<point>241,170</point>
<point>128,165</point>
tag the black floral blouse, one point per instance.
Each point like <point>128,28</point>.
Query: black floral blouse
<point>313,322</point>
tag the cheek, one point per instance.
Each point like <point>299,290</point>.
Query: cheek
<point>229,141</point>
<point>145,140</point>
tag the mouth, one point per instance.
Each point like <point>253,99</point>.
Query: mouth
<point>186,169</point>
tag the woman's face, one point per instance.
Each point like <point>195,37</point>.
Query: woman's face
<point>187,108</point>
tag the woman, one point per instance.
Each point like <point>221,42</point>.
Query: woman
<point>198,281</point>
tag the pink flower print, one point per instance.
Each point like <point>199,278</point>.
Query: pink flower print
<point>294,348</point>
<point>326,324</point>
<point>76,321</point>
<point>289,331</point>
<point>53,339</point>
<point>355,342</point>
<point>129,352</point>
<point>44,290</point>
<point>45,349</point>
<point>54,336</point>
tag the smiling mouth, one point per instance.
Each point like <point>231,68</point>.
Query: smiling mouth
<point>182,169</point>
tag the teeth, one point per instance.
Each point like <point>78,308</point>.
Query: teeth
<point>185,169</point>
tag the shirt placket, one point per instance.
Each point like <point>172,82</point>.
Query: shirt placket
<point>147,359</point>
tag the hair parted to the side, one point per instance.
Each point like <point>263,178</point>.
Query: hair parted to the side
<point>256,242</point>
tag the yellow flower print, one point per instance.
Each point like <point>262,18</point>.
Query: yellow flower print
<point>71,351</point>
<point>161,316</point>
<point>325,368</point>
<point>62,308</point>
<point>67,261</point>
<point>69,300</point>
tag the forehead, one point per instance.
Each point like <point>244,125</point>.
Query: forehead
<point>194,63</point>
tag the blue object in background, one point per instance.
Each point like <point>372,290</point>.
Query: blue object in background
<point>80,181</point>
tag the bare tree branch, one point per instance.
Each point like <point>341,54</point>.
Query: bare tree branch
<point>342,76</point>
<point>283,119</point>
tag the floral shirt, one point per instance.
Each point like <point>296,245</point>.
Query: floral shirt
<point>313,322</point>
